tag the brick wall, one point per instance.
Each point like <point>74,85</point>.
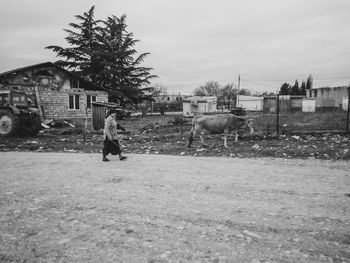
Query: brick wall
<point>55,103</point>
<point>54,87</point>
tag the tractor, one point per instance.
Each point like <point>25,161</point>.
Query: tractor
<point>17,117</point>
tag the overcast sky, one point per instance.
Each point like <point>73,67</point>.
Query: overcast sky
<point>266,42</point>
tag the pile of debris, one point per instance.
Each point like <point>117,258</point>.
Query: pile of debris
<point>61,127</point>
<point>51,123</point>
<point>150,127</point>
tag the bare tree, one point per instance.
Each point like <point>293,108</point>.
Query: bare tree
<point>228,94</point>
<point>211,88</point>
<point>159,89</point>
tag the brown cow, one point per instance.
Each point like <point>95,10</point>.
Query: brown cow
<point>221,123</point>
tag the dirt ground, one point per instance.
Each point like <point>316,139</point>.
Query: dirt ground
<point>71,207</point>
<point>264,199</point>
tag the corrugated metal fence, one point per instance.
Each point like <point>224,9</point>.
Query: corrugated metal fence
<point>98,113</point>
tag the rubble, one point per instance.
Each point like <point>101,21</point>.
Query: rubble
<point>158,137</point>
<point>256,146</point>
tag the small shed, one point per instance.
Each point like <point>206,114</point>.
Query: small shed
<point>251,103</point>
<point>309,105</point>
<point>99,113</point>
<point>199,104</point>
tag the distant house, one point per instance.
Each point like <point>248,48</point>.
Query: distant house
<point>328,98</point>
<point>199,104</point>
<point>169,98</point>
<point>251,103</point>
<point>167,102</point>
<point>162,102</point>
<point>58,93</point>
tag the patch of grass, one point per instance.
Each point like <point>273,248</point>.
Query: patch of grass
<point>140,122</point>
<point>298,121</point>
<point>301,121</point>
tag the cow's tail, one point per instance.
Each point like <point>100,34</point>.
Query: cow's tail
<point>190,139</point>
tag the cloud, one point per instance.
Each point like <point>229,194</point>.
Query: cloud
<point>195,41</point>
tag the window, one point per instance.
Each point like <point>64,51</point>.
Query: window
<point>89,99</point>
<point>4,99</point>
<point>44,81</point>
<point>74,102</point>
<point>19,99</point>
<point>74,84</point>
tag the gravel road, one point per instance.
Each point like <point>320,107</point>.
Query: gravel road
<point>69,207</point>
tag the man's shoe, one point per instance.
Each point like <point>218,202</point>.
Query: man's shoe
<point>104,159</point>
<point>123,158</point>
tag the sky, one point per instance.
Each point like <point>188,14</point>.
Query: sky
<point>192,42</point>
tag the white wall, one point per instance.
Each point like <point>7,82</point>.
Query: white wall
<point>202,107</point>
<point>309,105</point>
<point>186,107</point>
<point>345,104</point>
<point>251,103</point>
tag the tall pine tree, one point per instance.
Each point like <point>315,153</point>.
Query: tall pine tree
<point>309,82</point>
<point>122,73</point>
<point>103,52</point>
<point>80,57</point>
<point>303,88</point>
<point>295,88</point>
<point>285,89</point>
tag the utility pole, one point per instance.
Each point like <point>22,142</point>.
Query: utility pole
<point>239,84</point>
<point>173,103</point>
<point>278,115</point>
<point>347,115</point>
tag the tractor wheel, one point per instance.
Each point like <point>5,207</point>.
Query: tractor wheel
<point>9,123</point>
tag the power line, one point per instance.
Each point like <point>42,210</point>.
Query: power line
<point>258,84</point>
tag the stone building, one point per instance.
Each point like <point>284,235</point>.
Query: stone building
<point>329,98</point>
<point>58,93</point>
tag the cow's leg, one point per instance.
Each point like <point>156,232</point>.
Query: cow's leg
<point>236,137</point>
<point>201,138</point>
<point>192,134</point>
<point>226,132</point>
<point>190,139</point>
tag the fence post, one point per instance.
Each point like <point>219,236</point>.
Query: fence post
<point>86,123</point>
<point>278,115</point>
<point>347,115</point>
